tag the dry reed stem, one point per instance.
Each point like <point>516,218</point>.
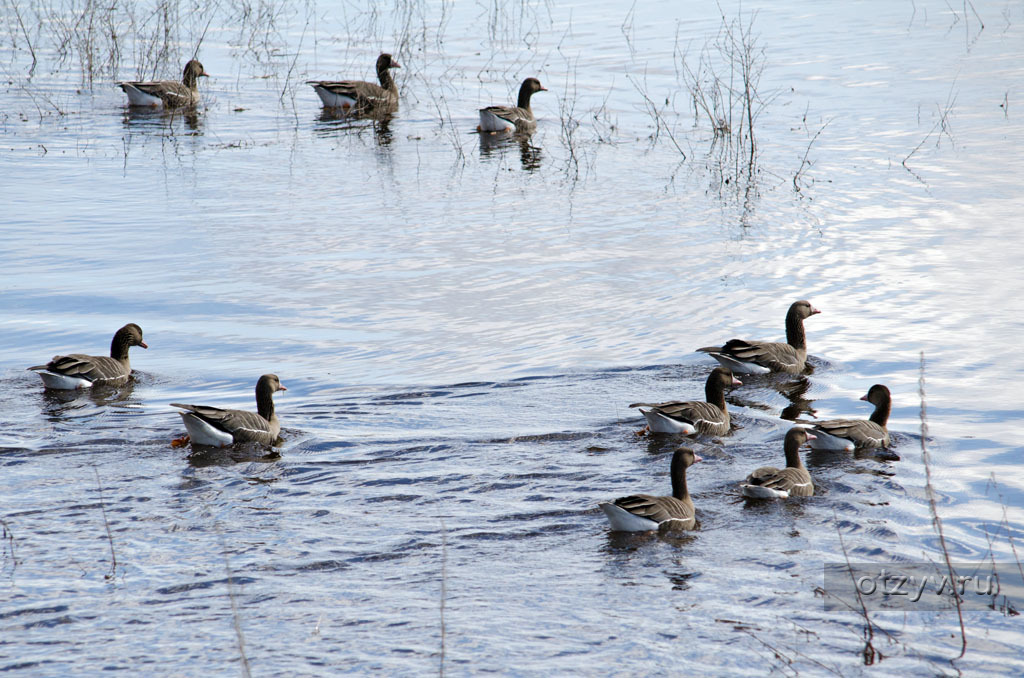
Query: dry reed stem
<point>723,86</point>
<point>7,535</point>
<point>656,115</point>
<point>804,164</point>
<point>236,620</point>
<point>444,592</point>
<point>942,124</point>
<point>569,124</point>
<point>869,653</point>
<point>106,524</point>
<point>933,508</point>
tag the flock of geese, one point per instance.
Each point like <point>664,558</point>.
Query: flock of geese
<point>641,512</point>
<point>215,426</point>
<point>350,97</point>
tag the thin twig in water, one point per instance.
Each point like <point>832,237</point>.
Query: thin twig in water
<point>790,660</point>
<point>202,36</point>
<point>968,2</point>
<point>627,28</point>
<point>291,66</point>
<point>1006,526</point>
<point>1007,607</point>
<point>110,538</point>
<point>569,123</point>
<point>942,123</point>
<point>775,651</point>
<point>803,163</point>
<point>933,507</point>
<point>659,121</point>
<point>723,86</point>
<point>28,41</point>
<point>239,636</point>
<point>8,535</point>
<point>807,657</point>
<point>444,590</point>
<point>870,654</point>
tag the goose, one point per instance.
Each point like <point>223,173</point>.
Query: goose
<point>711,417</point>
<point>218,427</point>
<point>167,93</point>
<point>850,434</point>
<point>769,482</point>
<point>363,97</point>
<point>518,118</point>
<point>643,512</point>
<point>760,357</point>
<point>77,370</point>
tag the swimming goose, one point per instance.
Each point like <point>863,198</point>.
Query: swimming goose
<point>78,370</point>
<point>167,93</point>
<point>358,96</point>
<point>518,118</point>
<point>754,357</point>
<point>711,417</point>
<point>643,512</point>
<point>850,434</point>
<point>769,482</point>
<point>217,427</point>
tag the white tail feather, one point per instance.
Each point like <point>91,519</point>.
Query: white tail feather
<point>824,441</point>
<point>136,97</point>
<point>63,382</point>
<point>659,423</point>
<point>762,492</point>
<point>202,433</point>
<point>739,366</point>
<point>489,122</point>
<point>623,521</point>
<point>333,100</point>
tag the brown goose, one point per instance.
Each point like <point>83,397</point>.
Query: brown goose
<point>711,417</point>
<point>167,93</point>
<point>769,482</point>
<point>850,434</point>
<point>82,371</point>
<point>754,357</point>
<point>518,118</point>
<point>643,512</point>
<point>362,97</point>
<point>217,427</point>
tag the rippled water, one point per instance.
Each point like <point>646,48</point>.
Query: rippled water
<point>462,323</point>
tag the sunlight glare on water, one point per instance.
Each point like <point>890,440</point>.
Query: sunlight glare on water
<point>462,321</point>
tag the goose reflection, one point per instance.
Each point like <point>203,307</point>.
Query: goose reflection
<point>625,543</point>
<point>141,119</point>
<point>494,145</point>
<point>58,401</point>
<point>794,391</point>
<point>334,121</point>
<point>231,455</point>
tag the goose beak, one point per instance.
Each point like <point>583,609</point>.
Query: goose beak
<point>736,382</point>
<point>811,436</point>
<point>814,311</point>
<point>697,458</point>
<point>864,397</point>
<point>281,387</point>
<point>394,64</point>
<point>143,344</point>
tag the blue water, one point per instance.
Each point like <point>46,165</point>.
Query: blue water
<point>462,323</point>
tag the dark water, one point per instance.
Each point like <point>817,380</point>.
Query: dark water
<point>461,325</point>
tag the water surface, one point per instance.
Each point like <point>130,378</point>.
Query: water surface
<point>462,322</point>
